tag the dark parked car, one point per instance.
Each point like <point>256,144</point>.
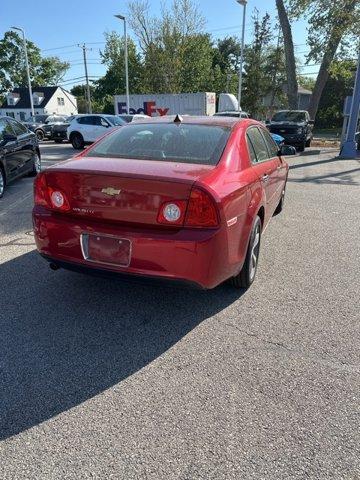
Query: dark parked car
<point>357,140</point>
<point>59,129</point>
<point>294,125</point>
<point>19,152</point>
<point>42,125</point>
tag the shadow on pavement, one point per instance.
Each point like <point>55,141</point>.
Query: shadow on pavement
<point>66,337</point>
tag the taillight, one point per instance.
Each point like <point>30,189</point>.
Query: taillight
<point>201,211</point>
<point>172,213</point>
<point>41,196</point>
<point>58,200</point>
<point>49,197</point>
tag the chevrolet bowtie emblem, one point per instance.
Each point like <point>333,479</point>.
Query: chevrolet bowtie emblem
<point>110,191</point>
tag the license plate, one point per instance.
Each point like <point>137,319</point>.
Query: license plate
<point>106,249</point>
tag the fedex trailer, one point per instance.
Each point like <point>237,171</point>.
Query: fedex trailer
<point>203,103</point>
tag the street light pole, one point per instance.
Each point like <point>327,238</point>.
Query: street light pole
<point>121,17</point>
<point>349,147</point>
<point>243,3</point>
<point>27,69</point>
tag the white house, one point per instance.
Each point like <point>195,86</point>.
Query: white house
<point>47,100</point>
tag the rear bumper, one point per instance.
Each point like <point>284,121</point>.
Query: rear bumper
<point>196,257</point>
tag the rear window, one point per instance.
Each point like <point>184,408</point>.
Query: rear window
<point>185,143</point>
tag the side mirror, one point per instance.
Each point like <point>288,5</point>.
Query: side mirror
<point>9,137</point>
<point>286,150</point>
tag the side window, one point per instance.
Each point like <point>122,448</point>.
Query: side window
<point>97,121</point>
<point>251,149</point>
<point>8,128</point>
<point>2,129</point>
<point>258,143</point>
<point>88,120</point>
<point>18,128</point>
<point>272,147</point>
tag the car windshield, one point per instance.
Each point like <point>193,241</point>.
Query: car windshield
<point>37,119</point>
<point>185,143</point>
<point>288,116</point>
<point>115,120</point>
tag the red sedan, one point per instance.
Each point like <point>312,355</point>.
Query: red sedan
<point>182,199</point>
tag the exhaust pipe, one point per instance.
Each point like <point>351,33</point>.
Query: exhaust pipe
<point>54,266</point>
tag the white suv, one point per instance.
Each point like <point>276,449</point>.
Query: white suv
<point>85,129</point>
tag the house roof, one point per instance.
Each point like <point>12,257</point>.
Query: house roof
<point>24,101</point>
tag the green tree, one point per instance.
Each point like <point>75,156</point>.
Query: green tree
<point>43,70</point>
<point>177,56</point>
<point>333,27</point>
<point>339,85</point>
<point>264,68</point>
<point>113,56</point>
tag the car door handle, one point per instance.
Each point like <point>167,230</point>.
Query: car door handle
<point>265,178</point>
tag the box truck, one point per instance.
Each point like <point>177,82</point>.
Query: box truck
<point>203,103</point>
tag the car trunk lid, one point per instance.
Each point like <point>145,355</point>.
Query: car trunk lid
<point>122,190</point>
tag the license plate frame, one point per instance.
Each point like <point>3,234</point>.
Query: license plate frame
<point>87,248</point>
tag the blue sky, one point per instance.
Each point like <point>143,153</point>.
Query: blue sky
<point>55,26</point>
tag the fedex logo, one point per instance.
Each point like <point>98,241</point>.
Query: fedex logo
<point>149,108</point>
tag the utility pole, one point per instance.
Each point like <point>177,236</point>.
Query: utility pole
<point>27,69</point>
<point>88,100</point>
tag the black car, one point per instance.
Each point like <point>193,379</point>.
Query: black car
<point>42,125</point>
<point>59,129</point>
<point>294,125</point>
<point>19,152</point>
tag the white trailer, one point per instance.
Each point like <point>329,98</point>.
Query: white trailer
<point>203,103</point>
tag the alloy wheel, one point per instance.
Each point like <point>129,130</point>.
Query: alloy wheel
<point>2,183</point>
<point>37,163</point>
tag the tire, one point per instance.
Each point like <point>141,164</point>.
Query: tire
<point>2,182</point>
<point>301,148</point>
<point>77,141</point>
<point>308,142</point>
<point>36,165</point>
<point>58,140</point>
<point>40,135</point>
<point>248,272</point>
<point>280,206</point>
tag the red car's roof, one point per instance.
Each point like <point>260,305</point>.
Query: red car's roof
<point>198,120</point>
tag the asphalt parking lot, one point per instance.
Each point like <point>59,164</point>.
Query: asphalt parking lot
<point>104,379</point>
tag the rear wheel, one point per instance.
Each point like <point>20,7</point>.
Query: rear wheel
<point>36,165</point>
<point>77,141</point>
<point>40,135</point>
<point>247,275</point>
<point>2,182</point>
<point>301,147</point>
